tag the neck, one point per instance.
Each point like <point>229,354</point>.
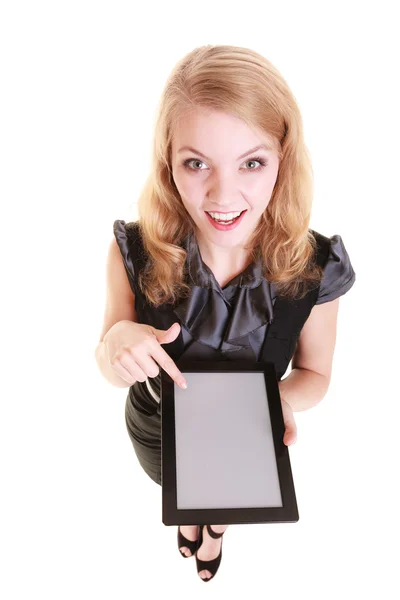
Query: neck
<point>226,262</point>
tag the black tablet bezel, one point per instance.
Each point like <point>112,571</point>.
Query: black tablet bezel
<point>171,515</point>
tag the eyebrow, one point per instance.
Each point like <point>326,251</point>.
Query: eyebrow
<point>260,147</point>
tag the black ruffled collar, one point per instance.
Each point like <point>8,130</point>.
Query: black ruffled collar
<point>208,314</point>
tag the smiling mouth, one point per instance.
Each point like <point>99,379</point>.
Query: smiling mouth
<point>226,213</point>
<point>224,222</point>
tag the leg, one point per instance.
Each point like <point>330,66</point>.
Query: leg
<point>210,548</point>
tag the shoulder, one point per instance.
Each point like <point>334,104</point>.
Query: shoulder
<point>129,237</point>
<point>338,273</point>
<point>129,240</point>
<point>126,231</point>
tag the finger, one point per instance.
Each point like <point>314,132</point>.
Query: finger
<point>137,367</point>
<point>289,439</point>
<point>290,436</point>
<point>145,362</point>
<point>165,361</point>
<point>165,336</point>
<point>119,368</point>
<point>127,373</point>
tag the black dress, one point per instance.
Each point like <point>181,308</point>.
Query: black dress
<point>228,323</point>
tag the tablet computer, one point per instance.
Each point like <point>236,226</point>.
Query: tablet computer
<point>223,460</point>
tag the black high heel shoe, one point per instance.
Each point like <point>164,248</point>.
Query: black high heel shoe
<point>210,565</point>
<point>182,541</point>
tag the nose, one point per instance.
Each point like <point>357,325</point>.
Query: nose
<point>224,195</point>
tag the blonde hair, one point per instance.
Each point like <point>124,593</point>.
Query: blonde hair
<point>242,82</point>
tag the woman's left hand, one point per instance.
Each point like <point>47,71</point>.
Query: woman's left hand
<point>290,435</point>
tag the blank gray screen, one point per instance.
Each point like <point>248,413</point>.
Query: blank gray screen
<point>225,455</point>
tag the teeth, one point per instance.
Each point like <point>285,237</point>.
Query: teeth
<point>227,217</point>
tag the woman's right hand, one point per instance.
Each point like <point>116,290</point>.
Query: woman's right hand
<point>135,353</point>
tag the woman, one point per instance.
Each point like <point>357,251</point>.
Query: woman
<point>223,248</point>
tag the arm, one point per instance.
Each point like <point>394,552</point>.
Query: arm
<point>309,379</point>
<point>120,307</point>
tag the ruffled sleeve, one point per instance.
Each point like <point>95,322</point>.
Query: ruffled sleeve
<point>339,275</point>
<point>124,235</point>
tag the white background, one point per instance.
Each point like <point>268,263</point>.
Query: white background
<point>80,82</point>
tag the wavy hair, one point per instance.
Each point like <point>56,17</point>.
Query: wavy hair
<point>242,82</point>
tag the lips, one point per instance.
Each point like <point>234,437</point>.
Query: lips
<point>221,226</point>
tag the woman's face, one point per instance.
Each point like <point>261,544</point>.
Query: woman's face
<point>219,174</point>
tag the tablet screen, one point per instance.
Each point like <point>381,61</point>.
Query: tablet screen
<point>225,456</point>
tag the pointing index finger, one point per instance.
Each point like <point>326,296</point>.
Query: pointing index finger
<point>166,362</point>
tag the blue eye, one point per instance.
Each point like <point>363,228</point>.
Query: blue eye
<point>258,159</point>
